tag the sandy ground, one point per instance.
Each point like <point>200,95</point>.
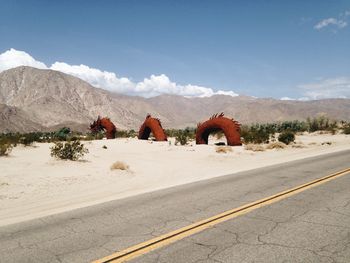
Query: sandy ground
<point>33,184</point>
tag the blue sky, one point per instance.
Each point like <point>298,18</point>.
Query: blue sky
<point>275,49</point>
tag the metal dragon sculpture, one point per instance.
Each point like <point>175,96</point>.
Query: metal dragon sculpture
<point>152,125</point>
<point>217,122</point>
<point>104,124</point>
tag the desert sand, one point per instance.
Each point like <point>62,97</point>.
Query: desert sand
<point>34,184</point>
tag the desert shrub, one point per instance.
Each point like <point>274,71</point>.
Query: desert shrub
<point>89,137</point>
<point>181,138</point>
<point>132,133</point>
<point>286,137</point>
<point>321,123</point>
<point>346,128</point>
<point>191,132</point>
<point>294,126</point>
<point>121,134</point>
<point>5,149</point>
<point>28,139</point>
<point>8,138</point>
<point>276,145</point>
<point>298,145</point>
<point>223,149</point>
<point>256,134</point>
<point>254,147</point>
<point>72,150</point>
<point>333,127</point>
<point>119,166</point>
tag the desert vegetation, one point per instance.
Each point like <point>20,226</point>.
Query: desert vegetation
<point>286,137</point>
<point>265,133</point>
<point>346,127</point>
<point>254,147</point>
<point>72,150</point>
<point>223,149</point>
<point>251,134</point>
<point>119,166</point>
<point>5,149</point>
<point>276,145</point>
<point>182,136</point>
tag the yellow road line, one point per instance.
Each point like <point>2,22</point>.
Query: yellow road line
<point>166,239</point>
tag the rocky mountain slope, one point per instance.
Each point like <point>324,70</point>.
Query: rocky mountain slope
<point>14,119</point>
<point>36,99</point>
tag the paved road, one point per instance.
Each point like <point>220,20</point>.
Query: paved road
<point>313,226</point>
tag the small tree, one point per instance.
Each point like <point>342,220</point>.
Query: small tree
<point>286,137</point>
<point>69,150</point>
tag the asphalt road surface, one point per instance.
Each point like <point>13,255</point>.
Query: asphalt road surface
<point>312,226</point>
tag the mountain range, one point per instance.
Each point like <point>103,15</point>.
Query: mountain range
<point>34,99</point>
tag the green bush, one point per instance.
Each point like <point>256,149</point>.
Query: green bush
<point>28,139</point>
<point>190,132</point>
<point>182,138</point>
<point>72,150</point>
<point>294,126</point>
<point>286,137</point>
<point>321,123</point>
<point>346,128</point>
<point>5,149</point>
<point>257,133</point>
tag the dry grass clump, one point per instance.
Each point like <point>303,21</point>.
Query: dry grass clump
<point>276,145</point>
<point>120,166</point>
<point>223,149</point>
<point>298,145</point>
<point>254,147</point>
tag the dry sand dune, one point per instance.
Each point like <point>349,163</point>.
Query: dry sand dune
<point>33,184</point>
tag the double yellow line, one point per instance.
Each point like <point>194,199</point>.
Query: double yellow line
<point>166,239</point>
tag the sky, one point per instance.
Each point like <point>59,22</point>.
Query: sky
<point>282,49</point>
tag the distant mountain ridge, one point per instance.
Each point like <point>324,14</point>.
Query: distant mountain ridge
<point>36,99</point>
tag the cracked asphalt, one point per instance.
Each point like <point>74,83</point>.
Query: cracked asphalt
<point>312,226</point>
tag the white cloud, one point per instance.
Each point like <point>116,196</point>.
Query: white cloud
<point>101,79</point>
<point>149,87</point>
<point>335,23</point>
<point>331,21</point>
<point>328,88</point>
<point>299,99</point>
<point>14,58</point>
<point>286,98</point>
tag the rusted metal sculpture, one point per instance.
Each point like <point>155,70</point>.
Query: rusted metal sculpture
<point>152,125</point>
<point>218,122</point>
<point>104,124</point>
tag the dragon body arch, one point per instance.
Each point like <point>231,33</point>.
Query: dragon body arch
<point>104,124</point>
<point>152,125</point>
<point>217,122</point>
